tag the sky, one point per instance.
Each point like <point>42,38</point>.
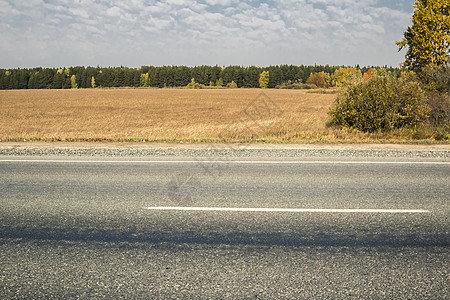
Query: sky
<point>133,33</point>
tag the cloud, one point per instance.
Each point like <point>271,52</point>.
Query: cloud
<point>137,32</point>
<point>220,2</point>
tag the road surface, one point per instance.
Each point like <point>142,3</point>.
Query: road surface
<point>257,228</point>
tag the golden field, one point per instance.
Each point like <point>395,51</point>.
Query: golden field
<point>202,115</point>
<point>161,114</point>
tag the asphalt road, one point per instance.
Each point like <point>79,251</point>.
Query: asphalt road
<point>80,228</point>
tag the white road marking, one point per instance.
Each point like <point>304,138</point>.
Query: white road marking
<point>292,210</point>
<point>299,162</point>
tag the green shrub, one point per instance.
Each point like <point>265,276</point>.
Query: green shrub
<point>194,85</point>
<point>380,104</point>
<point>436,79</point>
<point>219,82</point>
<point>440,109</point>
<point>296,85</point>
<point>232,85</point>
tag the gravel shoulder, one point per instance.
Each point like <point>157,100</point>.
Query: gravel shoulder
<point>222,150</point>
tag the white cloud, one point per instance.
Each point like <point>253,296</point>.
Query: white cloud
<point>179,2</point>
<point>219,2</point>
<point>79,12</point>
<point>114,11</point>
<point>377,28</point>
<point>198,32</point>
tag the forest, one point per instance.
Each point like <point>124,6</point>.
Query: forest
<point>160,76</point>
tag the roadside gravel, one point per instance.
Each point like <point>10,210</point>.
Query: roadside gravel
<point>226,150</point>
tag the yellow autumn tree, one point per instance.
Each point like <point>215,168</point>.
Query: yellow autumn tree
<point>428,38</point>
<point>317,79</point>
<point>73,82</point>
<point>264,79</point>
<point>369,74</point>
<point>344,76</point>
<point>144,81</point>
<point>321,79</point>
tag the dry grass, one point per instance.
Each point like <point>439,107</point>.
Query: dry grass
<point>227,115</point>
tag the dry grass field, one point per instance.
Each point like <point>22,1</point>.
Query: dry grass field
<point>207,115</point>
<point>160,114</point>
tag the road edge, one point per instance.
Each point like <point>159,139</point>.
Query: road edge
<point>222,150</point>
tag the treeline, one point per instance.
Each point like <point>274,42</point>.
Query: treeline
<point>162,76</point>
